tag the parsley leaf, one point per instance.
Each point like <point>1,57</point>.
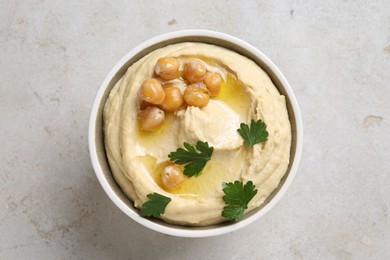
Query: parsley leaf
<point>237,196</point>
<point>196,161</point>
<point>233,212</point>
<point>255,134</point>
<point>155,206</point>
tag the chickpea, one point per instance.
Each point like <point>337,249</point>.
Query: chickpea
<point>167,68</point>
<point>172,177</point>
<point>194,71</point>
<point>213,83</point>
<point>196,96</point>
<point>151,91</point>
<point>151,118</point>
<point>173,99</point>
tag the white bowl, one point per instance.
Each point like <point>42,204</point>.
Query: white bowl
<point>96,140</point>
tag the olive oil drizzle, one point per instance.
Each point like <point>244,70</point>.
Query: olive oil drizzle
<point>234,95</point>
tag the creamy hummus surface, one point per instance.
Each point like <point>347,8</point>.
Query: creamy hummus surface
<point>136,157</point>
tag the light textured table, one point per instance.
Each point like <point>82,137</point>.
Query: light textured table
<point>54,56</point>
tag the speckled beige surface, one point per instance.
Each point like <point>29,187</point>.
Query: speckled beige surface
<point>54,56</point>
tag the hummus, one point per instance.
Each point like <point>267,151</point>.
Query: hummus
<point>136,158</point>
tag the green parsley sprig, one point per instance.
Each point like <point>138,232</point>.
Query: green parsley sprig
<point>254,134</point>
<point>195,160</point>
<point>237,196</point>
<point>155,206</point>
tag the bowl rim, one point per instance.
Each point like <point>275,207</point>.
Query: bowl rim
<point>184,232</point>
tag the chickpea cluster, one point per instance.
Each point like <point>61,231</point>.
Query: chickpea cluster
<point>160,96</point>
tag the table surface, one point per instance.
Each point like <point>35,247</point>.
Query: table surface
<point>54,56</point>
